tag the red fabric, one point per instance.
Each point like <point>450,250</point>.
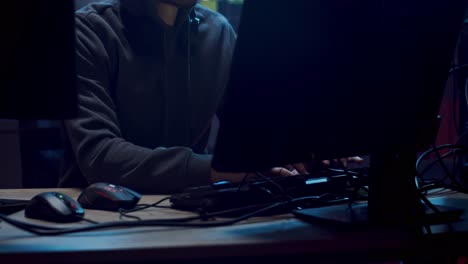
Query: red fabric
<point>462,260</point>
<point>449,113</point>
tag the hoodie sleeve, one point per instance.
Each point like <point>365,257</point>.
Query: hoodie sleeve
<point>101,152</point>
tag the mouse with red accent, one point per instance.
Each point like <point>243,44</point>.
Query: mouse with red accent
<point>109,197</point>
<point>54,207</point>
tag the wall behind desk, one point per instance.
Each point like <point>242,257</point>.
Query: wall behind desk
<point>10,158</point>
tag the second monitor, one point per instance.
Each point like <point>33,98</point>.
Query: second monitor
<point>338,78</point>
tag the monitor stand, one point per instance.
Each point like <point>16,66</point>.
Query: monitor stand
<point>394,200</point>
<point>358,215</point>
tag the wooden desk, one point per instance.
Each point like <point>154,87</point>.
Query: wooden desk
<point>280,238</point>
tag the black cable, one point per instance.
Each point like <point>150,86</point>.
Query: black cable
<point>269,192</point>
<point>354,173</point>
<point>442,164</point>
<point>148,206</point>
<point>244,179</point>
<point>355,192</point>
<point>271,181</point>
<point>439,160</point>
<point>343,167</point>
<point>162,206</point>
<point>423,197</point>
<point>280,188</point>
<point>124,212</point>
<point>429,151</point>
<point>447,171</point>
<point>428,203</point>
<point>434,186</point>
<point>225,212</point>
<point>433,163</point>
<point>204,224</point>
<point>428,229</point>
<point>435,210</point>
<point>143,223</point>
<point>456,151</point>
<point>58,231</point>
<point>178,222</point>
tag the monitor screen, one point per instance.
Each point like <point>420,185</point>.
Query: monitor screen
<point>338,78</point>
<point>37,76</point>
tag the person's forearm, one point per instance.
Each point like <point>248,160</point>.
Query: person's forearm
<point>162,170</point>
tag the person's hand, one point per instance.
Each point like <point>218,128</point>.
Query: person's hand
<point>217,176</point>
<point>289,170</point>
<point>307,167</point>
<point>344,161</point>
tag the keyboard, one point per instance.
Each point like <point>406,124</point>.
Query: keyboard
<point>9,206</point>
<point>329,189</point>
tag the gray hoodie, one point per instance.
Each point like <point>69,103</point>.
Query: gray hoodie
<point>145,108</point>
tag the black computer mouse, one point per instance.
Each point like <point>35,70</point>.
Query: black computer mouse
<point>54,207</point>
<point>110,197</point>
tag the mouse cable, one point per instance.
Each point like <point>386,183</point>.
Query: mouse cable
<point>125,213</point>
<point>208,215</point>
<point>139,207</point>
<point>31,227</point>
<point>145,206</point>
<point>142,223</point>
<point>178,222</point>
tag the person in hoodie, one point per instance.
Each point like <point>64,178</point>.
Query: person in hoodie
<point>151,75</point>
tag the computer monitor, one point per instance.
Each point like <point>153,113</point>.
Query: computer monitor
<point>37,69</point>
<point>339,78</point>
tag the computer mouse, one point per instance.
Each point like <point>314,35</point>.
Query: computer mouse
<point>110,197</point>
<point>54,207</point>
